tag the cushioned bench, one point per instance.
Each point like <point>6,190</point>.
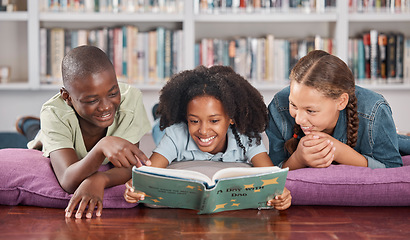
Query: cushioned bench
<point>26,178</point>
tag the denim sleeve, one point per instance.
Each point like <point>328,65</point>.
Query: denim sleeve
<point>373,163</point>
<point>277,152</point>
<point>404,144</point>
<point>384,139</point>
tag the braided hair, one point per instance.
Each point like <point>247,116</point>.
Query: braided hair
<point>332,77</point>
<point>241,101</point>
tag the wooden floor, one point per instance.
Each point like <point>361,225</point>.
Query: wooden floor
<point>298,222</point>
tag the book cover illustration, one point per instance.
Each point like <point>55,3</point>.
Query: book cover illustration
<point>233,189</point>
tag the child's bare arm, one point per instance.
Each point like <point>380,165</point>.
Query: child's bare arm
<point>261,160</point>
<point>71,171</point>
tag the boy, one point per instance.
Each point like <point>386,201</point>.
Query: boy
<point>92,121</point>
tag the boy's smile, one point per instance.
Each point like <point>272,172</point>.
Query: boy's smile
<point>208,124</point>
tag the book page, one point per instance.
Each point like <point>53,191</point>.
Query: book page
<point>176,173</point>
<point>238,172</point>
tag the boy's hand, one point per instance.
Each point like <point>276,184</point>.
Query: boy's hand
<point>281,202</point>
<point>130,195</point>
<point>122,153</point>
<point>316,150</point>
<point>89,194</point>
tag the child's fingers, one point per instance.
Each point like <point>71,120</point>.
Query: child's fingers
<point>99,209</point>
<point>133,197</point>
<point>74,201</point>
<point>141,158</point>
<point>281,202</point>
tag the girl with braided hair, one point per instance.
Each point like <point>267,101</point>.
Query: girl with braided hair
<point>322,117</point>
<point>211,114</point>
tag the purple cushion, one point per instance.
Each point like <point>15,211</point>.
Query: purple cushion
<point>26,178</point>
<point>351,186</point>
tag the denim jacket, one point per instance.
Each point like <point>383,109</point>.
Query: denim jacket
<point>377,140</point>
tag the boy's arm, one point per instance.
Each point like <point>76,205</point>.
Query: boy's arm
<point>90,192</point>
<point>70,171</point>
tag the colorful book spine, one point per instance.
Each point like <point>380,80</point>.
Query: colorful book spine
<point>382,40</point>
<point>366,44</point>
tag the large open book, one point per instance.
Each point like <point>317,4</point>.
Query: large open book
<point>229,189</point>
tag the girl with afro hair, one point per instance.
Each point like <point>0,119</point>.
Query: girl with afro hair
<point>211,114</point>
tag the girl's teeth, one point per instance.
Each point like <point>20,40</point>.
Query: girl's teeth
<point>206,139</point>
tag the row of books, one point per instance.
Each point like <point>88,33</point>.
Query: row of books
<point>266,59</point>
<point>138,57</point>
<point>115,6</point>
<point>377,57</point>
<point>393,6</point>
<point>257,6</point>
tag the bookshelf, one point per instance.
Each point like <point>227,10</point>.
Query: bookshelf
<point>21,41</point>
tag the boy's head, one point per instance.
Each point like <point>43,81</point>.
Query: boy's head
<point>90,86</point>
<point>81,62</point>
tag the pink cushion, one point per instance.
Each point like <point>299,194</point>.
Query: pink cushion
<point>26,178</point>
<point>351,186</point>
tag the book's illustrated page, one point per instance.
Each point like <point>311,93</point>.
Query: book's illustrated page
<point>244,192</point>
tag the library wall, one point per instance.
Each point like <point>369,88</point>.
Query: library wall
<point>29,88</point>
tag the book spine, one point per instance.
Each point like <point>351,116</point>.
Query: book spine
<point>373,54</point>
<point>110,44</point>
<point>366,45</point>
<point>57,51</point>
<point>43,52</point>
<point>391,57</point>
<point>406,61</point>
<point>118,38</point>
<point>399,56</point>
<point>160,52</point>
<point>152,56</point>
<point>124,72</point>
<point>232,53</point>
<point>67,41</point>
<point>270,57</point>
<point>360,60</point>
<point>168,54</point>
<point>140,57</point>
<point>225,52</point>
<point>382,56</point>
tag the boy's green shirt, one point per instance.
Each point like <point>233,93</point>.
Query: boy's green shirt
<point>60,127</point>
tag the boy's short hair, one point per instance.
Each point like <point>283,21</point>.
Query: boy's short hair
<point>82,61</point>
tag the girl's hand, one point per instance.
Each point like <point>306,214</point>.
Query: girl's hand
<point>281,202</point>
<point>316,150</point>
<point>130,195</point>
